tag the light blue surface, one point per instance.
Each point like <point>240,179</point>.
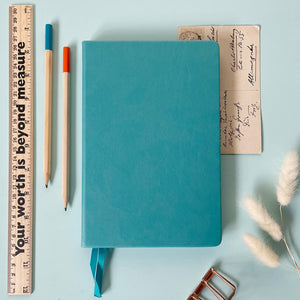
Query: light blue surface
<point>61,266</point>
<point>150,143</point>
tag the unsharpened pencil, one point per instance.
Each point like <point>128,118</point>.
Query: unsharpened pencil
<point>48,103</point>
<point>66,126</point>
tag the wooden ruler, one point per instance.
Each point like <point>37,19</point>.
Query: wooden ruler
<point>20,213</point>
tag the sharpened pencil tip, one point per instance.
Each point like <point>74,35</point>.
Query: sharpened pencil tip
<point>65,209</point>
<point>46,185</point>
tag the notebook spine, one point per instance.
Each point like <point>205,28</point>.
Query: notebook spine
<point>83,146</point>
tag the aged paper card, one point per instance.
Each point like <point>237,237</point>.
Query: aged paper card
<point>240,111</point>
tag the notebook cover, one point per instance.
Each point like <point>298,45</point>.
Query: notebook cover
<point>151,144</point>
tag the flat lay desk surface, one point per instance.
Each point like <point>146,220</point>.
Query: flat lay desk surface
<point>61,266</point>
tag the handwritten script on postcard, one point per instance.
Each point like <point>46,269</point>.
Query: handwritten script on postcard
<point>240,110</point>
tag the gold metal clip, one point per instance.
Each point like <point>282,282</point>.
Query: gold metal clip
<point>205,283</point>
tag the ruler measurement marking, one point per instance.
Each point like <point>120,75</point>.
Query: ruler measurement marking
<point>20,150</point>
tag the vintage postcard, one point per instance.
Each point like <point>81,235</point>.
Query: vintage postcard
<point>240,110</point>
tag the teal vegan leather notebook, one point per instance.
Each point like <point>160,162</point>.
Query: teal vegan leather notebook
<point>151,144</point>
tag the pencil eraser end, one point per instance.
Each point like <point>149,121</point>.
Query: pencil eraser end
<point>48,37</point>
<point>66,60</point>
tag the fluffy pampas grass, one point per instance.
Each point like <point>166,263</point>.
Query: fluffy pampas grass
<point>261,251</point>
<point>287,184</point>
<point>288,178</point>
<point>260,215</point>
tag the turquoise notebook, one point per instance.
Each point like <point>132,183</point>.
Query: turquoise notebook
<point>151,146</point>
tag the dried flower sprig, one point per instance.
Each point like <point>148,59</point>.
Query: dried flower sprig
<point>260,215</point>
<point>261,251</point>
<point>288,178</point>
<point>288,182</point>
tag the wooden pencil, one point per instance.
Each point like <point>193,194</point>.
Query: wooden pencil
<point>66,126</point>
<point>48,103</point>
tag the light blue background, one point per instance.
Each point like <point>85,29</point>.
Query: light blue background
<point>61,267</point>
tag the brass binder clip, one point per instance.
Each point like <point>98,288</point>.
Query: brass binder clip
<point>205,283</point>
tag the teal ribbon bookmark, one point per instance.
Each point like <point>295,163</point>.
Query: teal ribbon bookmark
<point>97,266</point>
